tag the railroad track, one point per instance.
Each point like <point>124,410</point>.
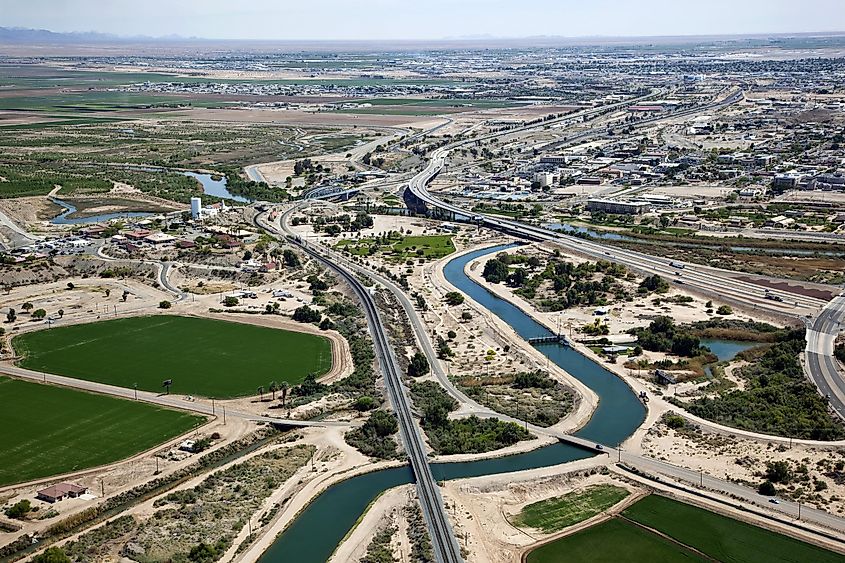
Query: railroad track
<point>444,543</point>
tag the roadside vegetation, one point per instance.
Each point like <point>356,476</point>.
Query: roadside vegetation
<point>375,437</point>
<point>78,522</point>
<point>197,524</point>
<point>531,396</point>
<point>464,435</point>
<point>777,398</point>
<point>554,284</point>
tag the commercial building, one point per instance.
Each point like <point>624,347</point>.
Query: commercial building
<point>618,207</point>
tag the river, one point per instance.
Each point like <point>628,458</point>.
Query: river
<point>210,186</point>
<point>317,531</point>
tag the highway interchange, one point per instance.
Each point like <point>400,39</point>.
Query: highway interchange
<point>704,279</point>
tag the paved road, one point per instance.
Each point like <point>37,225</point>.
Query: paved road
<point>745,494</point>
<point>184,402</point>
<point>647,465</point>
<point>445,545</point>
<point>822,367</point>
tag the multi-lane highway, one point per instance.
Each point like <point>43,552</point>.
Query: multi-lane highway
<point>740,493</point>
<point>822,367</point>
<point>446,549</point>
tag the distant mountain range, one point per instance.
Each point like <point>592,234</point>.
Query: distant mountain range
<point>45,36</point>
<point>26,36</point>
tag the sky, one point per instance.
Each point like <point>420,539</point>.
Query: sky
<point>423,19</point>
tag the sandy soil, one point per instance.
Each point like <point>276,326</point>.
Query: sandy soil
<point>481,509</point>
<point>385,511</point>
<point>299,118</point>
<point>745,460</point>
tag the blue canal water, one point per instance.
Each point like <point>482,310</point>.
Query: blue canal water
<point>315,534</point>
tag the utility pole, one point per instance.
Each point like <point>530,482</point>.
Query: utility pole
<point>135,387</point>
<point>212,407</point>
<point>618,454</point>
<point>701,479</point>
<point>224,416</point>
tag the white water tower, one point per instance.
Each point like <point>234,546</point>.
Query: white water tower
<point>196,207</point>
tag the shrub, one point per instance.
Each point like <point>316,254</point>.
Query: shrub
<point>306,314</point>
<point>51,555</point>
<point>418,366</point>
<point>18,509</point>
<point>230,301</point>
<point>164,305</point>
<point>724,310</point>
<point>767,488</point>
<point>453,298</point>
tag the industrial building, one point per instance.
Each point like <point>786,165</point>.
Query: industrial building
<point>618,207</point>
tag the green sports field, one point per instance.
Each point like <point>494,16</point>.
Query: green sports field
<point>690,528</point>
<point>51,430</point>
<point>204,357</point>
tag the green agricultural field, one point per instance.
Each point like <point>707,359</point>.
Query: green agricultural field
<point>557,513</point>
<point>52,430</point>
<point>721,537</point>
<point>205,357</point>
<point>611,541</point>
<point>403,247</point>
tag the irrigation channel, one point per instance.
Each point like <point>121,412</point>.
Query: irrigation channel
<point>319,529</point>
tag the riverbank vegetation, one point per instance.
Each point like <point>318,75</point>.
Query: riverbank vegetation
<point>196,524</point>
<point>375,437</point>
<point>465,435</point>
<point>553,284</point>
<point>776,399</point>
<point>531,396</point>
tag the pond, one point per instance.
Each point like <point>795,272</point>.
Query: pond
<point>317,531</point>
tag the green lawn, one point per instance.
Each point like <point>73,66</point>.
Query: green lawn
<point>431,246</point>
<point>555,514</point>
<point>205,357</point>
<point>50,430</point>
<point>614,541</point>
<point>721,537</point>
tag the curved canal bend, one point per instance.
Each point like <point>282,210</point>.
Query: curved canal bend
<point>314,535</point>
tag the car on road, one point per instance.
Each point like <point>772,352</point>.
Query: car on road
<point>774,501</point>
<point>599,447</point>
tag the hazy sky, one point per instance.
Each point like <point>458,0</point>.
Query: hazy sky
<point>423,19</point>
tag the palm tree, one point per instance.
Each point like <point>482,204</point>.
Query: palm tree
<point>261,392</point>
<point>284,387</point>
<point>273,388</point>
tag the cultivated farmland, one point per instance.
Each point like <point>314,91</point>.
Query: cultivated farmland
<point>49,430</point>
<point>687,532</point>
<point>205,357</point>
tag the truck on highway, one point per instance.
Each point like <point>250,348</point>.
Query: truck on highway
<point>677,265</point>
